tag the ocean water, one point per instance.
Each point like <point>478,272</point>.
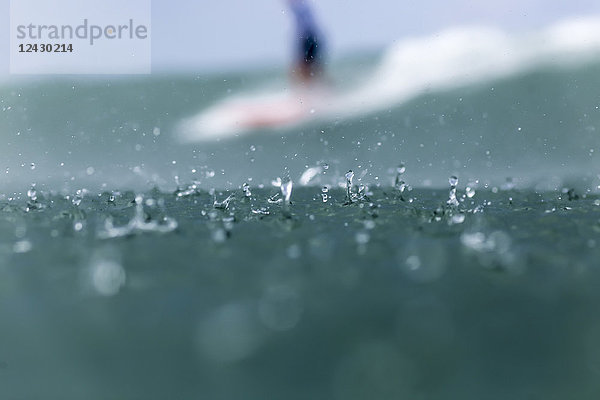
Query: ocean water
<point>458,259</point>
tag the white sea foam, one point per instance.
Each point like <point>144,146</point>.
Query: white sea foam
<point>468,55</point>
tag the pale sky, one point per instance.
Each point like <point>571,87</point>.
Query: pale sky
<point>216,34</point>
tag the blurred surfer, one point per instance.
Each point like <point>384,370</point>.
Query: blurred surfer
<point>308,59</point>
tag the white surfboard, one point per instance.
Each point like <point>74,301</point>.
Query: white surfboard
<point>244,114</point>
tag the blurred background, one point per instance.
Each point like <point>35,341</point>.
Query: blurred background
<point>206,35</point>
<point>487,91</point>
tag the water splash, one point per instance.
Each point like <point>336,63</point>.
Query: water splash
<point>276,182</point>
<point>78,197</point>
<point>32,200</point>
<point>325,194</point>
<point>274,199</point>
<point>470,192</point>
<point>223,205</point>
<point>398,182</point>
<point>286,191</point>
<point>138,224</point>
<point>32,193</point>
<point>452,201</point>
<point>261,211</point>
<point>457,219</point>
<point>349,177</point>
<point>400,185</point>
<point>246,190</point>
<point>363,193</point>
<point>191,190</point>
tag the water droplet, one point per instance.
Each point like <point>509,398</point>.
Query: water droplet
<point>219,235</point>
<point>261,211</point>
<point>349,177</point>
<point>369,224</point>
<point>32,166</point>
<point>107,277</point>
<point>22,246</point>
<point>452,201</point>
<point>286,190</point>
<point>362,238</point>
<point>140,223</point>
<point>20,231</point>
<point>223,205</point>
<point>280,308</point>
<point>309,174</point>
<point>276,182</point>
<point>325,194</point>
<point>399,184</point>
<point>423,260</point>
<point>413,263</point>
<point>246,190</point>
<point>274,199</point>
<point>458,219</point>
<point>32,194</point>
<point>229,334</point>
<point>294,251</point>
<point>78,197</point>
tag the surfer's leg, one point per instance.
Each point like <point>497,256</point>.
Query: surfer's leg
<point>310,49</point>
<point>309,58</point>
